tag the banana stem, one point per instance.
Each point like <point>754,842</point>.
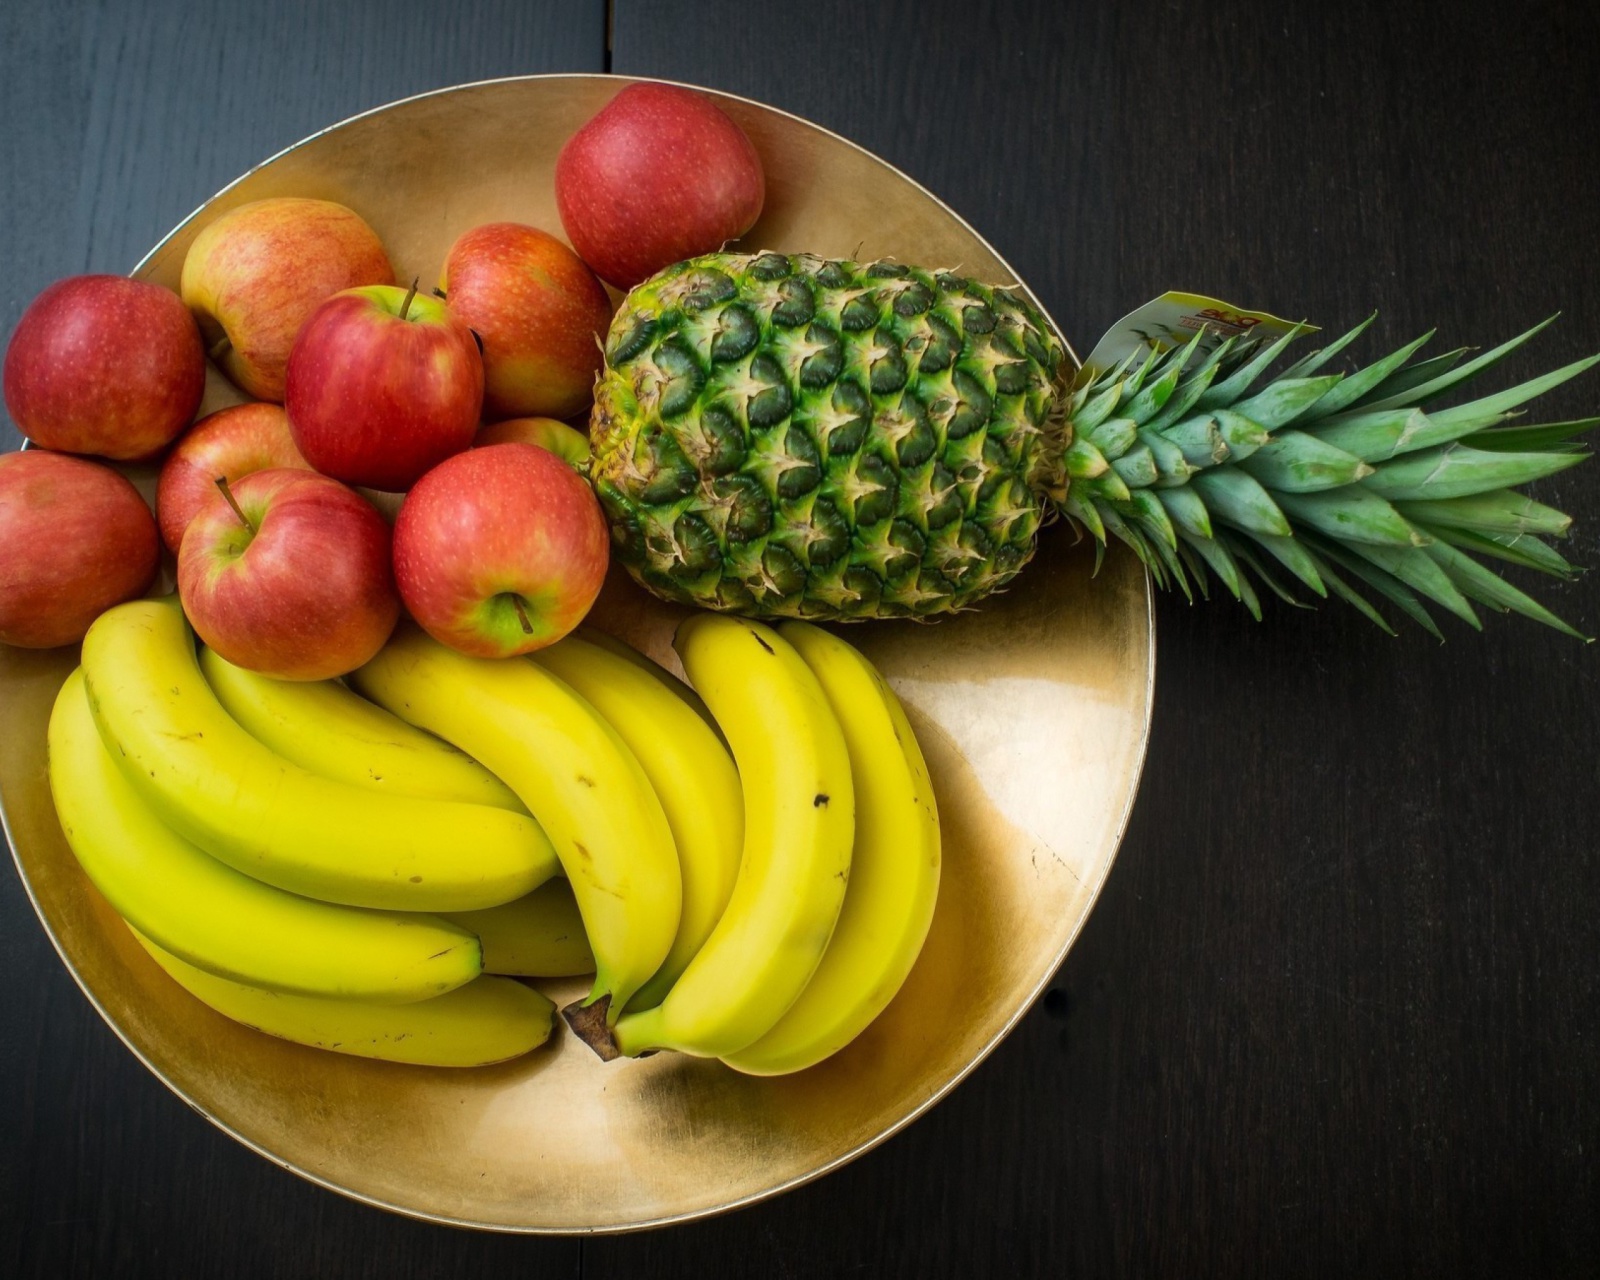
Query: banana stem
<point>222,483</point>
<point>588,1023</point>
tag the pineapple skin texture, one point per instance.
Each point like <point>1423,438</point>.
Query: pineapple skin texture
<point>786,436</point>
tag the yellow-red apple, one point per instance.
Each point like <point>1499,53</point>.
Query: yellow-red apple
<point>256,274</point>
<point>230,443</point>
<point>567,443</point>
<point>292,578</point>
<point>383,384</point>
<point>78,539</point>
<point>106,365</point>
<point>500,550</point>
<point>540,313</point>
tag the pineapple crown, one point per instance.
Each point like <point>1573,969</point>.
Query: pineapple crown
<point>1326,481</point>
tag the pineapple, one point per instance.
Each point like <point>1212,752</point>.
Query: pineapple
<point>789,436</point>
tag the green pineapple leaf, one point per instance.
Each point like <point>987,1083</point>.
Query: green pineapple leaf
<point>1363,381</point>
<point>1458,471</point>
<point>1547,435</point>
<point>1413,392</point>
<point>1524,549</point>
<point>1309,364</point>
<point>1294,462</point>
<point>1354,598</point>
<point>1501,511</point>
<point>1387,585</point>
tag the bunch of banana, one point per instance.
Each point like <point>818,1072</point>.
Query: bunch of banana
<point>689,768</point>
<point>219,919</point>
<point>573,770</point>
<point>147,764</point>
<point>839,869</point>
<point>748,867</point>
<point>894,870</point>
<point>327,729</point>
<point>807,859</point>
<point>247,805</point>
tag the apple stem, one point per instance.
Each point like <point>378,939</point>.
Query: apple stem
<point>440,294</point>
<point>410,294</point>
<point>522,615</point>
<point>219,348</point>
<point>222,483</point>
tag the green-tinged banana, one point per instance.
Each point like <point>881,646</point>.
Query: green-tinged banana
<point>540,935</point>
<point>691,772</point>
<point>799,821</point>
<point>220,919</point>
<point>894,870</point>
<point>575,774</point>
<point>488,1020</point>
<point>327,729</point>
<point>213,783</point>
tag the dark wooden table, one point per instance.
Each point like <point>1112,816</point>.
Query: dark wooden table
<point>1336,1011</point>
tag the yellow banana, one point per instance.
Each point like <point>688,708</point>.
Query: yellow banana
<point>213,783</point>
<point>644,662</point>
<point>799,820</point>
<point>691,772</point>
<point>330,730</point>
<point>326,729</point>
<point>220,919</point>
<point>575,774</point>
<point>894,870</point>
<point>540,935</point>
<point>488,1020</point>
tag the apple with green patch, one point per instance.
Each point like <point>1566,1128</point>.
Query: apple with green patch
<point>500,550</point>
<point>567,443</point>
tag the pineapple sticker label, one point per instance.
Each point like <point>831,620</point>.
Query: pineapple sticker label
<point>1173,319</point>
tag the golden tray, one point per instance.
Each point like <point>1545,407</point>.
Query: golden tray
<point>1033,712</point>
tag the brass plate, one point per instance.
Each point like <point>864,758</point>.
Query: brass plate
<point>1033,712</point>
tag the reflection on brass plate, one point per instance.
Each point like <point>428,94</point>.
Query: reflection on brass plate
<point>1033,713</point>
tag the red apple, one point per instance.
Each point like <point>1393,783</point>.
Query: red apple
<point>297,583</point>
<point>256,274</point>
<point>568,444</point>
<point>104,364</point>
<point>658,175</point>
<point>500,550</point>
<point>539,312</point>
<point>78,539</point>
<point>230,443</point>
<point>383,384</point>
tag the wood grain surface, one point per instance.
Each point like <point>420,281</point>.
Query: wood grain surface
<point>1335,1013</point>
